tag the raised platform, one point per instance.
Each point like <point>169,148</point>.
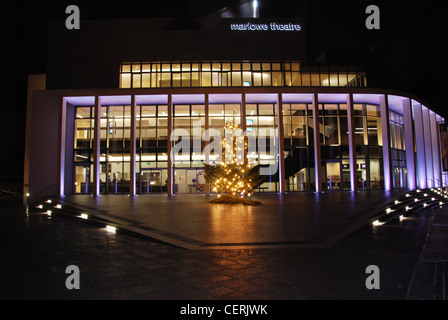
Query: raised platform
<point>190,221</point>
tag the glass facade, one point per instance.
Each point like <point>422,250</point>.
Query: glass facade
<point>338,162</point>
<point>187,74</point>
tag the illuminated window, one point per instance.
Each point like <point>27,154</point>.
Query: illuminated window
<point>236,74</point>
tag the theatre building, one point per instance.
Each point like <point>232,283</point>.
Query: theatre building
<point>106,117</point>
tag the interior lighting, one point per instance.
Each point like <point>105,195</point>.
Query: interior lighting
<point>408,208</point>
<point>84,216</point>
<point>377,223</point>
<point>48,201</point>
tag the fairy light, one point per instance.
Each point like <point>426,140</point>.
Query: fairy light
<point>232,177</point>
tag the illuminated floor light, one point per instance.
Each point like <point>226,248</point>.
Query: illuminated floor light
<point>401,217</point>
<point>48,201</point>
<point>425,205</point>
<point>408,208</point>
<point>441,203</point>
<point>415,200</point>
<point>111,228</point>
<point>40,206</point>
<point>418,190</point>
<point>432,199</point>
<point>84,216</point>
<point>407,195</point>
<point>377,223</point>
<point>58,206</point>
<point>397,202</point>
<point>425,195</point>
<point>389,210</point>
<point>49,212</point>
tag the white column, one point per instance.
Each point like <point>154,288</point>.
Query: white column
<point>435,150</point>
<point>281,157</point>
<point>207,139</point>
<point>351,143</point>
<point>428,147</point>
<point>409,142</point>
<point>317,155</point>
<point>133,150</point>
<point>170,177</point>
<point>420,145</point>
<point>96,147</point>
<point>387,161</point>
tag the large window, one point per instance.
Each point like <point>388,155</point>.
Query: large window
<point>188,126</point>
<point>151,148</point>
<point>298,151</point>
<point>398,149</point>
<point>83,153</point>
<point>188,74</point>
<point>115,145</point>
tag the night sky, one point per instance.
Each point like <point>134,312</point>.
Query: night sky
<point>407,53</point>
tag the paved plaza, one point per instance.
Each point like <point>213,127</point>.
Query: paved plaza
<point>294,261</point>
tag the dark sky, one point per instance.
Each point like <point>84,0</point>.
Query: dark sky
<point>407,53</point>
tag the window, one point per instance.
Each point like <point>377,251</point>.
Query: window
<point>235,74</point>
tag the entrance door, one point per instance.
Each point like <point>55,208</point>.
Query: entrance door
<point>333,175</point>
<point>82,183</point>
<point>150,181</point>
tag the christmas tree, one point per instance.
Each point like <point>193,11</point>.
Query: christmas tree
<point>233,179</point>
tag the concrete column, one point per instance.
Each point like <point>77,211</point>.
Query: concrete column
<point>207,139</point>
<point>420,145</point>
<point>317,156</point>
<point>96,147</point>
<point>281,157</point>
<point>133,150</point>
<point>351,143</point>
<point>409,141</point>
<point>170,179</point>
<point>428,147</point>
<point>387,159</point>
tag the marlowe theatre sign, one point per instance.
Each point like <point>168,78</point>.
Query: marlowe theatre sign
<point>273,26</point>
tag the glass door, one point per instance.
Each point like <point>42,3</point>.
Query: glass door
<point>150,181</point>
<point>333,175</point>
<point>82,184</point>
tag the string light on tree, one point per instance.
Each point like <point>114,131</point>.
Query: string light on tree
<point>233,179</point>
